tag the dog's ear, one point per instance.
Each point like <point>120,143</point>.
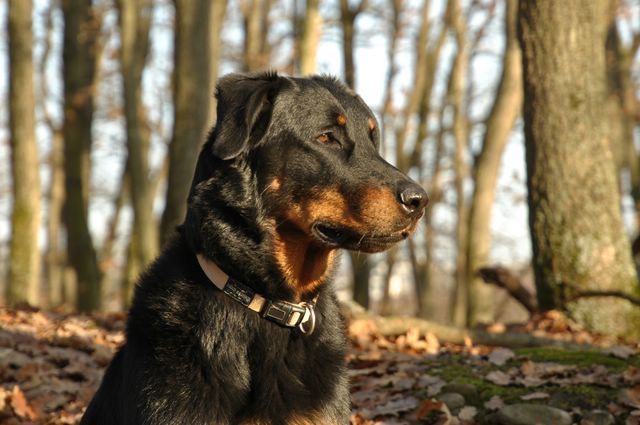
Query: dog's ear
<point>245,104</point>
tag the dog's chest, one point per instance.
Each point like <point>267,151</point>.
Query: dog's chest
<point>286,371</point>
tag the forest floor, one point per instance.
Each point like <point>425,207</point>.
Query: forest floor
<point>51,364</point>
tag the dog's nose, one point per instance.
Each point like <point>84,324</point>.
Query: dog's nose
<point>413,198</point>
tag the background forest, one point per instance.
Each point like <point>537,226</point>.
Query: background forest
<point>519,118</point>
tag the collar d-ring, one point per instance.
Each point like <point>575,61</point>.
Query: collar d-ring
<point>311,320</point>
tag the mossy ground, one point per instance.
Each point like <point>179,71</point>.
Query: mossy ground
<point>464,369</point>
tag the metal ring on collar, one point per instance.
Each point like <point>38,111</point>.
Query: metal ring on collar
<point>312,319</point>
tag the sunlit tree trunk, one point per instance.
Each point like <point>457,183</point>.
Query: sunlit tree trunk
<point>79,63</point>
<point>24,257</point>
<point>506,109</point>
<point>54,261</point>
<point>576,228</point>
<point>311,30</point>
<point>135,23</point>
<point>389,115</point>
<point>422,270</point>
<point>218,13</point>
<point>428,55</point>
<point>55,255</point>
<point>192,78</point>
<point>257,51</point>
<point>348,15</point>
<point>460,135</point>
<point>622,103</point>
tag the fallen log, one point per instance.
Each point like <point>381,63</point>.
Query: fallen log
<point>396,326</point>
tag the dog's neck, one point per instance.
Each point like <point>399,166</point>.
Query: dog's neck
<point>304,265</point>
<point>301,315</point>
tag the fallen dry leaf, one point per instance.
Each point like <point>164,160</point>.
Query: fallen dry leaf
<point>535,396</point>
<point>631,375</point>
<point>430,407</point>
<point>501,356</point>
<point>630,397</point>
<point>498,377</point>
<point>20,405</point>
<point>494,403</point>
<point>620,351</point>
<point>467,413</point>
<point>391,408</point>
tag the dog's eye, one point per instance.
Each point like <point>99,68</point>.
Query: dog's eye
<point>328,139</point>
<point>324,138</point>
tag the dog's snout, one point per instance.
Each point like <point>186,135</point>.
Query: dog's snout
<point>413,198</point>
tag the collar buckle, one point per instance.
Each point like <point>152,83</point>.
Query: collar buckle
<point>284,313</point>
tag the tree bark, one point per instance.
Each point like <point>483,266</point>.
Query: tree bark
<point>460,134</point>
<point>79,63</point>
<point>506,109</point>
<point>135,23</point>
<point>24,257</point>
<point>348,16</point>
<point>622,104</point>
<point>422,270</point>
<point>54,261</point>
<point>218,13</point>
<point>574,214</point>
<point>192,73</point>
<point>311,30</point>
<point>361,273</point>
<point>256,54</point>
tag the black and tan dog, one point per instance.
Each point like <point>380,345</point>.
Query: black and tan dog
<point>236,322</point>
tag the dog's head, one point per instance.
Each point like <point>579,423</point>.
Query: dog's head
<point>302,155</point>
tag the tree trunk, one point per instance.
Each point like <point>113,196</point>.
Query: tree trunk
<point>311,30</point>
<point>192,73</point>
<point>256,54</point>
<point>347,19</point>
<point>106,255</point>
<point>460,134</point>
<point>218,12</point>
<point>79,62</point>
<point>55,263</point>
<point>422,271</point>
<point>499,124</point>
<point>622,104</point>
<point>361,272</point>
<point>135,22</point>
<point>386,305</point>
<point>574,214</point>
<point>24,257</point>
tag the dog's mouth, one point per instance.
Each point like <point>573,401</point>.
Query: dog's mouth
<point>341,237</point>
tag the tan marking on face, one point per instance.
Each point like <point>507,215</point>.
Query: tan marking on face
<point>330,206</point>
<point>380,208</point>
<point>304,263</point>
<point>275,184</point>
<point>372,123</point>
<point>342,120</point>
<point>378,211</point>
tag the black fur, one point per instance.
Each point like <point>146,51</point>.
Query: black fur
<point>195,356</point>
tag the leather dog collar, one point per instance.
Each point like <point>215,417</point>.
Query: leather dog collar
<point>283,313</point>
